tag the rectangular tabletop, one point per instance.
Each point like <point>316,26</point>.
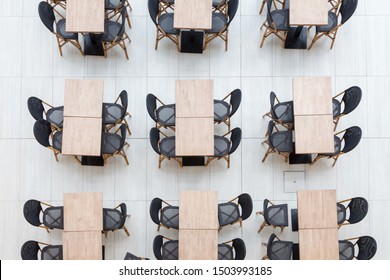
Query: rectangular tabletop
<point>194,137</point>
<point>317,209</point>
<point>83,98</point>
<point>312,96</point>
<point>194,98</point>
<point>85,245</point>
<point>82,136</point>
<point>193,14</point>
<point>85,16</point>
<point>198,244</point>
<point>319,244</point>
<point>198,210</point>
<point>314,134</point>
<point>83,211</point>
<point>309,12</point>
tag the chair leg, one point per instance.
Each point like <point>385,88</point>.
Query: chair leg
<point>263,225</point>
<point>262,7</point>
<point>104,49</point>
<point>335,160</point>
<point>123,154</point>
<point>266,154</point>
<point>126,231</point>
<point>127,126</point>
<point>79,161</point>
<point>316,159</point>
<point>55,155</point>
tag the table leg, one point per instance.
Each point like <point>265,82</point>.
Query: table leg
<point>92,161</point>
<point>191,41</point>
<point>193,161</point>
<point>296,38</point>
<point>300,159</point>
<point>93,44</point>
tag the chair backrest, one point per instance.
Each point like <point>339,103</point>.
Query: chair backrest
<point>351,99</point>
<point>153,7</point>
<point>35,107</point>
<point>124,101</point>
<point>270,20</point>
<point>42,130</point>
<point>269,244</point>
<point>31,211</point>
<point>124,214</point>
<point>232,10</point>
<point>351,138</point>
<point>245,201</point>
<point>157,244</point>
<point>151,106</point>
<point>265,212</point>
<point>123,130</point>
<point>347,9</point>
<point>358,209</point>
<point>29,250</point>
<point>123,14</point>
<point>154,210</point>
<point>130,256</point>
<point>46,13</point>
<point>52,252</point>
<point>270,129</point>
<point>239,249</point>
<point>235,139</point>
<point>235,101</point>
<point>272,98</point>
<point>367,248</point>
<point>154,136</point>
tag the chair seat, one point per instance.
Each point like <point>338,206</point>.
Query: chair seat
<point>53,217</point>
<point>61,30</point>
<point>170,250</point>
<point>219,21</point>
<point>341,213</point>
<point>337,147</point>
<point>277,215</point>
<point>52,252</point>
<point>112,219</point>
<point>112,113</point>
<point>111,143</point>
<point>332,23</point>
<point>225,252</point>
<point>130,256</point>
<point>280,250</point>
<point>218,2</point>
<point>285,111</point>
<point>336,105</point>
<point>170,216</point>
<point>111,30</point>
<point>282,141</point>
<point>56,116</point>
<point>228,213</point>
<point>281,19</point>
<point>57,141</point>
<point>221,146</point>
<point>167,146</point>
<point>166,115</point>
<point>221,110</point>
<point>166,23</point>
<point>346,250</point>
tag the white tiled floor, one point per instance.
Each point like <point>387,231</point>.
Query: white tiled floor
<point>31,65</point>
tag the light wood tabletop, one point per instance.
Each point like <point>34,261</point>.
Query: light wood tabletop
<point>194,98</point>
<point>308,12</point>
<point>312,96</point>
<point>85,245</point>
<point>83,98</point>
<point>85,16</point>
<point>319,244</point>
<point>314,134</point>
<point>198,244</point>
<point>193,14</point>
<point>194,137</point>
<point>83,211</point>
<point>82,136</point>
<point>198,210</point>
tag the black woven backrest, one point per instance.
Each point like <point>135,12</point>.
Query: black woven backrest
<point>270,129</point>
<point>232,10</point>
<point>351,138</point>
<point>123,208</point>
<point>358,209</point>
<point>42,130</point>
<point>265,211</point>
<point>245,201</point>
<point>154,136</point>
<point>30,250</point>
<point>154,210</point>
<point>130,256</point>
<point>123,13</point>
<point>272,98</point>
<point>157,244</point>
<point>46,13</point>
<point>31,211</point>
<point>153,7</point>
<point>367,248</point>
<point>125,101</point>
<point>235,139</point>
<point>123,135</point>
<point>35,107</point>
<point>347,9</point>
<point>269,16</point>
<point>235,101</point>
<point>52,252</point>
<point>351,99</point>
<point>151,106</point>
<point>269,244</point>
<point>239,249</point>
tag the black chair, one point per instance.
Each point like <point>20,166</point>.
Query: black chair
<point>167,217</point>
<point>114,8</point>
<point>277,23</point>
<point>350,139</point>
<point>224,147</point>
<point>115,34</point>
<point>223,111</point>
<point>283,2</point>
<point>113,219</point>
<point>115,113</point>
<point>52,217</point>
<point>274,215</point>
<point>278,249</point>
<point>165,251</point>
<point>165,147</point>
<point>54,115</point>
<point>163,22</point>
<point>357,209</point>
<point>347,9</point>
<point>163,116</point>
<point>220,24</point>
<point>130,257</point>
<point>46,14</point>
<point>229,212</point>
<point>366,248</point>
<point>30,250</point>
<point>114,144</point>
<point>235,251</point>
<point>281,112</point>
<point>280,142</point>
<point>350,100</point>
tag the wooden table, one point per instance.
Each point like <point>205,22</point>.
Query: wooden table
<point>86,245</point>
<point>319,244</point>
<point>304,12</point>
<point>198,244</point>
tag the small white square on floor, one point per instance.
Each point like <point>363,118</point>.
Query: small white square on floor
<point>294,181</point>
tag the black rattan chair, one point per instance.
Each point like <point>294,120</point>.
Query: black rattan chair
<point>232,250</point>
<point>277,23</point>
<point>114,8</point>
<point>130,257</point>
<point>42,132</point>
<point>115,113</point>
<point>274,215</point>
<point>223,111</point>
<point>113,219</point>
<point>351,138</point>
<point>356,210</point>
<point>114,144</point>
<point>366,246</point>
<point>229,212</point>
<point>32,210</point>
<point>167,217</point>
<point>165,147</point>
<point>350,100</point>
<point>30,250</point>
<point>165,251</point>
<point>280,142</point>
<point>163,116</point>
<point>281,112</point>
<point>54,115</point>
<point>278,250</point>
